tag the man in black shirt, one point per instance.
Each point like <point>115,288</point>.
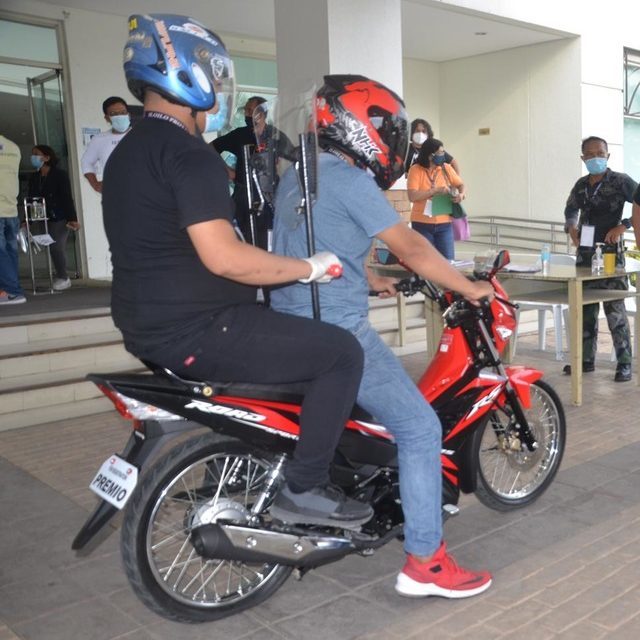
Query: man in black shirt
<point>184,284</point>
<point>234,142</point>
<point>596,201</point>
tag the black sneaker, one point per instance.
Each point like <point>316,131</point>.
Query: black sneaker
<point>623,373</point>
<point>325,505</point>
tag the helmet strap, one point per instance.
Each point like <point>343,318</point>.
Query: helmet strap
<point>194,115</point>
<point>338,153</point>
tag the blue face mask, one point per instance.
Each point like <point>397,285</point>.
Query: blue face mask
<point>218,120</point>
<point>438,160</point>
<point>37,161</point>
<point>596,166</point>
<point>120,123</point>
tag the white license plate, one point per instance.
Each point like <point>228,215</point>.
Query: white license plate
<point>115,481</point>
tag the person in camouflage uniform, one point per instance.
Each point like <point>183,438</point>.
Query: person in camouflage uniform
<point>597,199</point>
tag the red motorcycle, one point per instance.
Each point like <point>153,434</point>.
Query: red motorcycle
<point>197,539</point>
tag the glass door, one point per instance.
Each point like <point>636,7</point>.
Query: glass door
<point>47,121</point>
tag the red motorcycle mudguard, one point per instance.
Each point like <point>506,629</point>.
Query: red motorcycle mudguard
<point>521,379</point>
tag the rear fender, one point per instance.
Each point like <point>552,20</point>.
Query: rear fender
<point>148,437</point>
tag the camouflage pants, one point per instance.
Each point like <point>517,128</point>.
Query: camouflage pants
<point>616,319</point>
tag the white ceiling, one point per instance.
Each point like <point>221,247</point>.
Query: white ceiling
<point>429,32</point>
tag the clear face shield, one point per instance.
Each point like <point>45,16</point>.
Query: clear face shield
<point>224,86</point>
<point>285,135</point>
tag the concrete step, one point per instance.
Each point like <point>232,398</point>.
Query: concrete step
<point>57,325</point>
<point>54,395</point>
<point>21,361</point>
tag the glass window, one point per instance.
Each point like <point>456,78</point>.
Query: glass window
<point>631,82</point>
<point>28,42</point>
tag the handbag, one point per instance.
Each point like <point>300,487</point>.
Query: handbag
<point>461,230</point>
<point>457,210</point>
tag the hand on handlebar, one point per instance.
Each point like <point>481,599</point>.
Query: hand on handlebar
<point>483,291</point>
<point>324,267</point>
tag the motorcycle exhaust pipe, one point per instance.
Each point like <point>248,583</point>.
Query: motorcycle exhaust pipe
<point>247,544</point>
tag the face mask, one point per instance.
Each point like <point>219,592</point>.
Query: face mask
<point>596,166</point>
<point>438,160</point>
<point>37,161</point>
<point>120,123</point>
<point>216,121</point>
<point>248,120</point>
<point>419,137</point>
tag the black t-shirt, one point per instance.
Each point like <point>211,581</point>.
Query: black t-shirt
<point>600,204</point>
<point>158,181</point>
<point>234,142</point>
<point>55,188</point>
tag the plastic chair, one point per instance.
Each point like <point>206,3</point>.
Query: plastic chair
<point>558,311</point>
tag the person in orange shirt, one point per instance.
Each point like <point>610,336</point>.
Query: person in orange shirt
<point>433,186</point>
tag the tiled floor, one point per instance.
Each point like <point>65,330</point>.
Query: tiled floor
<point>567,567</point>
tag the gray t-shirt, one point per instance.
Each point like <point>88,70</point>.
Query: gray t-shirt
<point>349,212</point>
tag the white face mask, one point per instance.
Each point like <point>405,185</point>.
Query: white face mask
<point>419,137</point>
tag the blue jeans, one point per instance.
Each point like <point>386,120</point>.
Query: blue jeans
<point>439,235</point>
<point>388,393</point>
<point>9,282</point>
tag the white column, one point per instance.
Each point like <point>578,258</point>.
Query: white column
<point>318,37</point>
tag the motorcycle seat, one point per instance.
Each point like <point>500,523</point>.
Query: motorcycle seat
<point>290,392</point>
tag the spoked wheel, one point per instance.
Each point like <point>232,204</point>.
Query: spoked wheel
<point>198,482</point>
<point>509,475</point>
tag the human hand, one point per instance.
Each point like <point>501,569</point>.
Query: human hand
<point>480,289</point>
<point>613,235</point>
<point>74,225</point>
<point>324,267</point>
<point>573,233</point>
<point>384,286</point>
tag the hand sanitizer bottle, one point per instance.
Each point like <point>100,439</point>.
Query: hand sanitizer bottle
<point>545,258</point>
<point>597,261</point>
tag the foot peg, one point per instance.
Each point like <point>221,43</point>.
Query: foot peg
<point>450,510</point>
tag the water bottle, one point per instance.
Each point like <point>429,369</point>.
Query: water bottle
<point>597,261</point>
<point>545,258</point>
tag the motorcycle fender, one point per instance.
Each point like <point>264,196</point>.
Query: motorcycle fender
<point>142,443</point>
<point>521,379</point>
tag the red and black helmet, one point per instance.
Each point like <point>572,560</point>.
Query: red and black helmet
<point>365,120</point>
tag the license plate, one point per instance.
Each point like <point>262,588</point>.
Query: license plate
<point>115,481</point>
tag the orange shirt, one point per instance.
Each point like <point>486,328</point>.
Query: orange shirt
<point>421,179</point>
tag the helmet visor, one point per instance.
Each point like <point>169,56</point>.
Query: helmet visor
<point>393,130</point>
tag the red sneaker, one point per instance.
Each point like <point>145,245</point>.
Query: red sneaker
<point>441,576</point>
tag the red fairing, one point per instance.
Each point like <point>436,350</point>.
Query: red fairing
<point>451,361</point>
<point>504,324</point>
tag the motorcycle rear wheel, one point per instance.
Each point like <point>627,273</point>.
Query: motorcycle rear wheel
<point>194,480</point>
<point>509,476</point>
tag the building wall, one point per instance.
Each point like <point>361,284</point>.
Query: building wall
<point>529,99</point>
<point>93,67</point>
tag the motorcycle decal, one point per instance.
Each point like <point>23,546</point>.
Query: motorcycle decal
<point>276,421</point>
<point>219,409</point>
<point>478,408</point>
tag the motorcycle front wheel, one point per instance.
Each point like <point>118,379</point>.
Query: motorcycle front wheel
<point>192,484</point>
<point>509,475</point>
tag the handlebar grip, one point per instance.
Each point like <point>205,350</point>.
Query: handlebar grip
<point>335,270</point>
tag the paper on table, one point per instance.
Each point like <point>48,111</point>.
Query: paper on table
<point>523,268</point>
<point>462,263</point>
<point>43,239</point>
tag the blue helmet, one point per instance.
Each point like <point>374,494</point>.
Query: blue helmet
<point>180,59</point>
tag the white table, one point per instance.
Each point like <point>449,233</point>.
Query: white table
<point>563,285</point>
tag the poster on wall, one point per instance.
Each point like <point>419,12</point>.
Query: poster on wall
<point>88,133</point>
